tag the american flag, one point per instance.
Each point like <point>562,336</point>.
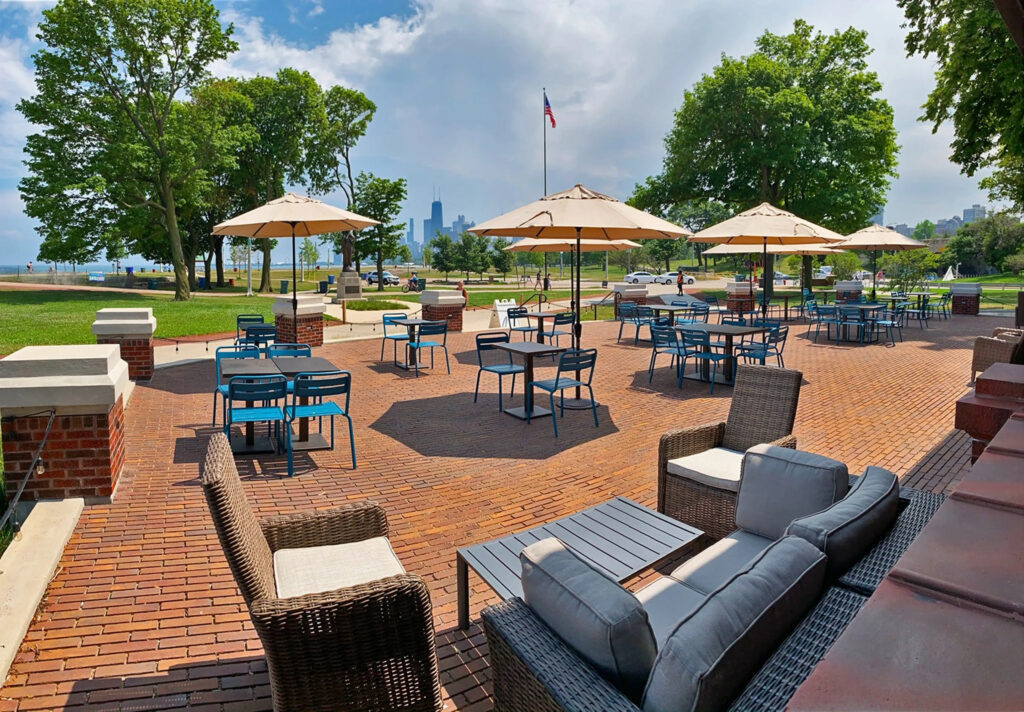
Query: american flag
<point>547,111</point>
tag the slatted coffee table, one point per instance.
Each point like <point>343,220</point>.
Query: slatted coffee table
<point>619,537</point>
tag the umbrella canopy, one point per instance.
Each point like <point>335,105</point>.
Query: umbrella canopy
<point>292,215</point>
<point>766,225</point>
<point>876,237</point>
<point>580,213</point>
<point>530,244</point>
<point>740,249</point>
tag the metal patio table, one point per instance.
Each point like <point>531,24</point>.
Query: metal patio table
<point>619,537</point>
<point>728,331</point>
<point>410,326</point>
<point>529,350</point>
<point>229,367</point>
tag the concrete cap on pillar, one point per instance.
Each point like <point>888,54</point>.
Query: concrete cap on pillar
<point>965,288</point>
<point>442,297</point>
<point>308,304</point>
<point>124,322</point>
<point>80,378</point>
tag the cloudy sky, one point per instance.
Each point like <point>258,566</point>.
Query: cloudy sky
<point>458,89</point>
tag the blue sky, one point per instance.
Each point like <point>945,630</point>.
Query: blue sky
<point>458,89</point>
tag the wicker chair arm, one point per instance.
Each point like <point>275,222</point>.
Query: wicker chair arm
<point>682,442</point>
<point>340,525</point>
<point>785,441</point>
<point>533,669</point>
<point>992,349</point>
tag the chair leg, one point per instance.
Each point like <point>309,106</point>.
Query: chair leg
<point>593,405</point>
<point>416,363</point>
<point>650,367</point>
<point>351,440</point>
<point>554,420</point>
<point>512,390</point>
<point>214,408</point>
<point>382,342</point>
<point>447,364</point>
<point>714,374</point>
<point>288,445</point>
<point>499,390</point>
<point>477,388</point>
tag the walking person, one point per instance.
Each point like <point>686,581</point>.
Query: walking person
<point>537,284</point>
<point>547,282</point>
<point>679,282</point>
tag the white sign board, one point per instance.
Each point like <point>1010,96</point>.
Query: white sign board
<point>501,307</point>
<point>96,277</point>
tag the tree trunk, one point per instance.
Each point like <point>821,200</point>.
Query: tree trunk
<point>182,289</point>
<point>219,246</point>
<point>380,271</point>
<point>769,276</point>
<point>265,285</point>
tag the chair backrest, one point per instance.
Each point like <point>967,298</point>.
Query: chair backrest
<point>644,312</point>
<point>289,350</point>
<point>827,311</point>
<point>763,406</point>
<point>242,319</point>
<point>324,384</point>
<point>488,341</point>
<point>514,314</point>
<point>390,318</point>
<point>696,338</point>
<point>734,322</point>
<point>238,529</point>
<point>260,334</point>
<point>700,311</point>
<point>663,336</point>
<point>851,313</point>
<point>257,389</point>
<point>434,328</point>
<point>711,300</point>
<point>627,310</point>
<point>234,351</point>
<point>680,302</point>
<point>564,318</point>
<point>578,362</point>
<point>778,337</point>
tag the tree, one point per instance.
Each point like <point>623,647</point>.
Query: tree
<point>309,253</point>
<point>380,199</point>
<point>472,254</point>
<point>964,249</point>
<point>906,269</point>
<point>113,134</point>
<point>844,264</point>
<point>442,253</point>
<point>996,237</point>
<point>798,123</point>
<point>924,230</point>
<point>662,251</point>
<point>501,259</point>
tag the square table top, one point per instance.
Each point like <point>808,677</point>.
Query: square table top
<point>292,365</point>
<point>862,307</point>
<point>248,367</point>
<point>530,348</point>
<point>413,322</point>
<point>724,329</point>
<point>670,307</point>
<point>619,537</point>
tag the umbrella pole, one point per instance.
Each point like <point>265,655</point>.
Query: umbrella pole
<point>577,403</point>
<point>874,273</point>
<point>295,290</point>
<point>764,271</point>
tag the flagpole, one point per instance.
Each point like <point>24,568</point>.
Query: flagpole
<point>544,123</point>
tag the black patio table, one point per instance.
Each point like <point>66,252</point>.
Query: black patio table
<point>670,308</point>
<point>249,367</point>
<point>619,537</point>
<point>528,350</point>
<point>729,331</point>
<point>291,366</point>
<point>410,326</point>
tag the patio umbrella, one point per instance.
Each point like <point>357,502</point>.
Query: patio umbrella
<point>875,238</point>
<point>292,216</point>
<point>579,214</point>
<point>767,225</point>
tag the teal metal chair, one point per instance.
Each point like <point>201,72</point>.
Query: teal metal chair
<point>244,320</point>
<point>259,335</point>
<point>697,345</point>
<point>265,397</point>
<point>562,319</point>
<point>626,313</point>
<point>665,340</point>
<point>488,342</point>
<point>393,337</point>
<point>580,362</point>
<point>317,388</point>
<point>519,323</point>
<point>223,352</point>
<point>289,350</point>
<point>431,328</point>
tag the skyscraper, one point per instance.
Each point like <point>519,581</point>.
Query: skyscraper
<point>411,234</point>
<point>975,212</point>
<point>436,215</point>
<point>878,218</point>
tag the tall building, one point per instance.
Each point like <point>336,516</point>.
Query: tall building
<point>410,236</point>
<point>903,229</point>
<point>879,217</point>
<point>975,212</point>
<point>948,226</point>
<point>460,225</point>
<point>428,230</point>
<point>436,215</point>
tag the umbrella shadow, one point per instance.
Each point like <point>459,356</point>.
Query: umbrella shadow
<point>191,450</point>
<point>454,426</point>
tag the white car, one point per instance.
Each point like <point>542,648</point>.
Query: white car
<point>670,278</point>
<point>641,278</point>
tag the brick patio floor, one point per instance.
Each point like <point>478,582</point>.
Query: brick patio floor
<point>143,613</point>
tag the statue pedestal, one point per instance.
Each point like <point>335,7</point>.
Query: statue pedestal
<point>349,287</point>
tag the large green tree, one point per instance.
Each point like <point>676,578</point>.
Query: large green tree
<point>501,259</point>
<point>442,253</point>
<point>380,199</point>
<point>798,123</point>
<point>112,133</point>
<point>472,254</point>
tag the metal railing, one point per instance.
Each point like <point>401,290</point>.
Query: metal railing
<point>540,297</point>
<point>12,503</point>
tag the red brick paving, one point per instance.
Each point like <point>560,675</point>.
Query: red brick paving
<point>143,613</point>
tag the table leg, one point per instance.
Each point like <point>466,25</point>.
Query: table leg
<point>785,307</point>
<point>540,329</point>
<point>527,383</point>
<point>410,353</point>
<point>728,358</point>
<point>462,584</point>
<point>304,422</point>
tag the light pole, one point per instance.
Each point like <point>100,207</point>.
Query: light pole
<point>248,266</point>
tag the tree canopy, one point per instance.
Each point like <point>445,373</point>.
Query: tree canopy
<point>380,199</point>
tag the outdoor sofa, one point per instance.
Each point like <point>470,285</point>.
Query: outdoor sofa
<point>713,634</point>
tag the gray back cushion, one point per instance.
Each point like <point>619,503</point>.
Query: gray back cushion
<point>713,652</point>
<point>778,484</point>
<point>851,526</point>
<point>597,617</point>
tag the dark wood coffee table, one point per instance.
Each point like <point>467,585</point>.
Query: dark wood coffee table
<point>619,537</point>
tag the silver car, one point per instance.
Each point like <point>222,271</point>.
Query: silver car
<point>641,278</point>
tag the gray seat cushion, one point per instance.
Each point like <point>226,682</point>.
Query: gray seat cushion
<point>315,569</point>
<point>667,602</point>
<point>851,526</point>
<point>719,562</point>
<point>713,653</point>
<point>718,467</point>
<point>597,617</point>
<point>778,485</point>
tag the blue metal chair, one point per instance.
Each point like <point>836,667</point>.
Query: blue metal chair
<point>713,302</point>
<point>223,352</point>
<point>259,335</point>
<point>697,344</point>
<point>394,338</point>
<point>772,345</point>
<point>431,328</point>
<point>286,350</point>
<point>941,308</point>
<point>243,320</point>
<point>922,313</point>
<point>562,319</point>
<point>851,318</point>
<point>270,393</point>
<point>665,340</point>
<point>627,313</point>
<point>317,388</point>
<point>827,315</point>
<point>488,341</point>
<point>572,361</point>
<point>516,317</point>
<point>892,322</point>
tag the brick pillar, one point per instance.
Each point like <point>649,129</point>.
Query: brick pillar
<point>307,327</point>
<point>84,452</point>
<point>132,331</point>
<point>966,298</point>
<point>443,304</point>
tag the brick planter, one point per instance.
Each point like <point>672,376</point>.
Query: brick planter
<point>444,305</point>
<point>305,328</point>
<point>966,304</point>
<point>740,305</point>
<point>132,331</point>
<point>629,293</point>
<point>137,353</point>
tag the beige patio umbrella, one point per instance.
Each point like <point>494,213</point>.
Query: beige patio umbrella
<point>730,249</point>
<point>292,216</point>
<point>875,238</point>
<point>767,225</point>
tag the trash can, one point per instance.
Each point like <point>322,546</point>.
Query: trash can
<point>323,286</point>
<point>129,270</point>
<point>151,283</point>
<point>284,286</point>
<point>330,279</point>
<point>231,283</point>
<point>202,282</point>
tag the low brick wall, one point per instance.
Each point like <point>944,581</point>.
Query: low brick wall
<point>639,301</point>
<point>83,455</point>
<point>452,313</point>
<point>307,329</point>
<point>740,305</point>
<point>966,304</point>
<point>137,352</point>
<point>848,295</point>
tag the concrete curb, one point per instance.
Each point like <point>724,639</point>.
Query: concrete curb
<point>27,567</point>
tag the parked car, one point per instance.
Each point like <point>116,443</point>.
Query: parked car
<point>641,278</point>
<point>862,274</point>
<point>670,278</point>
<point>389,279</point>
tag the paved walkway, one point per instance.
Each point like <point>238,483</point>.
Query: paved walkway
<point>143,613</point>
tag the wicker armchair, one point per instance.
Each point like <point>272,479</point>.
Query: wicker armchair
<point>368,646</point>
<point>762,411</point>
<point>1004,346</point>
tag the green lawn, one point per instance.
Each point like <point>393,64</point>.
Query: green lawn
<point>373,304</point>
<point>65,317</point>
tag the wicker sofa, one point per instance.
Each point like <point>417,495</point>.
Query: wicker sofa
<point>343,627</point>
<point>699,466</point>
<point>1004,346</point>
<point>535,668</point>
